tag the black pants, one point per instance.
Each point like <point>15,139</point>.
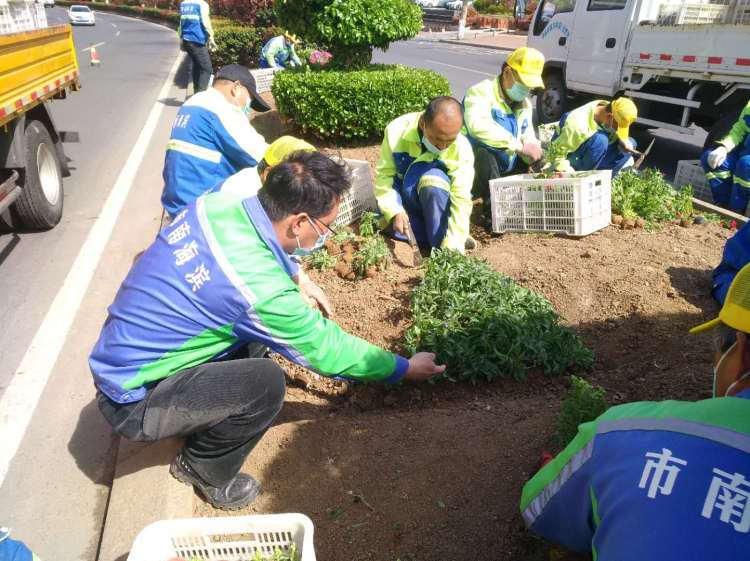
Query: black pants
<point>202,68</point>
<point>487,166</point>
<point>222,408</point>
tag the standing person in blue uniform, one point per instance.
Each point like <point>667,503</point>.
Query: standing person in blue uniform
<point>197,37</point>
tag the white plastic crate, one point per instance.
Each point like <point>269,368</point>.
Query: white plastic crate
<point>264,78</point>
<point>230,538</point>
<point>360,198</point>
<point>576,205</point>
<point>690,172</point>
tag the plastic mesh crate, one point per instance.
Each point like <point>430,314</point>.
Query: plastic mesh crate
<point>576,205</point>
<point>690,172</point>
<point>361,196</point>
<point>231,538</point>
<point>264,78</point>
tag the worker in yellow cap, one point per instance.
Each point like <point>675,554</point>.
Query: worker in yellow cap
<point>278,52</point>
<point>246,182</point>
<point>676,474</point>
<point>498,119</point>
<point>595,136</point>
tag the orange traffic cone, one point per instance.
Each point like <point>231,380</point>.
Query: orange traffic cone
<point>94,57</point>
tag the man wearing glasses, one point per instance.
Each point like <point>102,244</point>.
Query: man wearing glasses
<point>182,351</point>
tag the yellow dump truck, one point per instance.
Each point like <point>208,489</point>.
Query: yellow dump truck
<point>35,67</point>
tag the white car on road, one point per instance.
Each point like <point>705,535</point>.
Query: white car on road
<point>81,15</point>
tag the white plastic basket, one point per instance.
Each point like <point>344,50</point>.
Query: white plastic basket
<point>690,172</point>
<point>576,205</point>
<point>264,78</point>
<point>230,538</point>
<point>360,198</point>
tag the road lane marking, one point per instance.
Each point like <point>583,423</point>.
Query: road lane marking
<point>118,33</point>
<point>113,25</point>
<point>460,68</point>
<point>22,395</point>
<point>94,46</point>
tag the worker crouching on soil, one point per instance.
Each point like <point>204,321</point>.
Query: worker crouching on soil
<point>660,480</point>
<point>595,137</point>
<point>182,352</point>
<point>727,166</point>
<point>424,176</point>
<point>498,119</point>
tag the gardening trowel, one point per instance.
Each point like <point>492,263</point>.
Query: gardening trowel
<point>417,255</point>
<point>642,155</point>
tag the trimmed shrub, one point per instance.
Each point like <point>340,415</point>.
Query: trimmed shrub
<point>238,44</point>
<point>350,29</point>
<point>348,105</point>
<point>583,403</point>
<point>258,13</point>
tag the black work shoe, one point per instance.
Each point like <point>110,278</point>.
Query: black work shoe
<point>238,493</point>
<point>470,244</point>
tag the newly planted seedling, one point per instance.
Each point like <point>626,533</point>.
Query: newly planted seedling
<point>583,403</point>
<point>483,325</point>
<point>321,260</point>
<point>368,224</point>
<point>647,196</point>
<point>373,255</point>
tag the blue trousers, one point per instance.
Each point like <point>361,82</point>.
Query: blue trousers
<point>597,153</point>
<point>730,182</point>
<point>424,193</point>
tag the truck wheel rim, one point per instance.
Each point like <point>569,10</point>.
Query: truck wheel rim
<point>49,175</point>
<point>551,103</point>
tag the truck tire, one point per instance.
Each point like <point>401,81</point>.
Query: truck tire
<point>40,204</point>
<point>551,102</point>
<point>720,128</point>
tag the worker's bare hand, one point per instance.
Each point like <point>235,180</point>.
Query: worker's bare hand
<point>532,149</point>
<point>422,367</point>
<point>400,223</point>
<point>313,295</point>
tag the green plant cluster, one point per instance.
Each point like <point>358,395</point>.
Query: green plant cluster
<point>492,7</point>
<point>584,402</point>
<point>647,195</point>
<point>483,325</point>
<point>240,44</point>
<point>372,252</point>
<point>341,105</point>
<point>350,29</point>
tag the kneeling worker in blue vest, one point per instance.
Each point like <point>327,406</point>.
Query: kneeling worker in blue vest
<point>172,359</point>
<point>595,136</point>
<point>660,480</point>
<point>424,177</point>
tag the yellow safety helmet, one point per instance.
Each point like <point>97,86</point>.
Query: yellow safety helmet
<point>625,113</point>
<point>281,148</point>
<point>529,65</point>
<point>735,312</point>
<point>291,37</point>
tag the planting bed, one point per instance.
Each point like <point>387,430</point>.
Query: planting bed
<point>434,472</point>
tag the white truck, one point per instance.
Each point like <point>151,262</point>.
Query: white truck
<point>682,62</point>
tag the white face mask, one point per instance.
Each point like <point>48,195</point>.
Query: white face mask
<point>303,251</point>
<point>430,146</point>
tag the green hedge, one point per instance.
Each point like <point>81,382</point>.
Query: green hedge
<point>348,105</point>
<point>240,44</point>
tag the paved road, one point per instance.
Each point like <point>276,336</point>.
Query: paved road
<point>54,490</point>
<point>464,66</point>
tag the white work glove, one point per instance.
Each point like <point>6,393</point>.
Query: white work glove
<point>532,149</point>
<point>564,167</point>
<point>717,157</point>
<point>212,44</point>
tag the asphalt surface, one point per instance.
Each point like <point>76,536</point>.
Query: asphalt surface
<point>464,66</point>
<point>54,480</point>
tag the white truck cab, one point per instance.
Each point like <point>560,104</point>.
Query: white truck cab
<point>682,62</point>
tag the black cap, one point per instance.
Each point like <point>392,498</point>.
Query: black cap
<point>239,73</point>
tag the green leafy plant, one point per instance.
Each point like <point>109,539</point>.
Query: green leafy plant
<point>647,195</point>
<point>288,554</point>
<point>368,224</point>
<point>321,260</point>
<point>583,403</point>
<point>350,29</point>
<point>240,44</point>
<point>483,325</point>
<point>341,235</point>
<point>354,105</point>
<point>372,253</point>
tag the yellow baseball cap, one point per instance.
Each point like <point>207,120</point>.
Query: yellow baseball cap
<point>736,309</point>
<point>282,147</point>
<point>528,64</point>
<point>292,37</point>
<point>625,113</point>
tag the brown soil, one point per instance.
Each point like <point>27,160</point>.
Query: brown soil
<point>434,473</point>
